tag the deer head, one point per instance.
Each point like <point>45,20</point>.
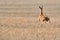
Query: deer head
<point>41,7</point>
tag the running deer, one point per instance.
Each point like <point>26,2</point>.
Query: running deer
<point>42,17</point>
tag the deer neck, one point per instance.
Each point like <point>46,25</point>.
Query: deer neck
<point>41,11</point>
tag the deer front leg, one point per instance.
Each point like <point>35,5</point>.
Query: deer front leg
<point>39,19</point>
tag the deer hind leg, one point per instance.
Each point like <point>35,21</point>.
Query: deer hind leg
<point>49,21</point>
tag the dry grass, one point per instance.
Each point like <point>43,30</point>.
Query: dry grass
<point>23,28</point>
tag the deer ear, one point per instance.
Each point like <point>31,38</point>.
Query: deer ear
<point>41,6</point>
